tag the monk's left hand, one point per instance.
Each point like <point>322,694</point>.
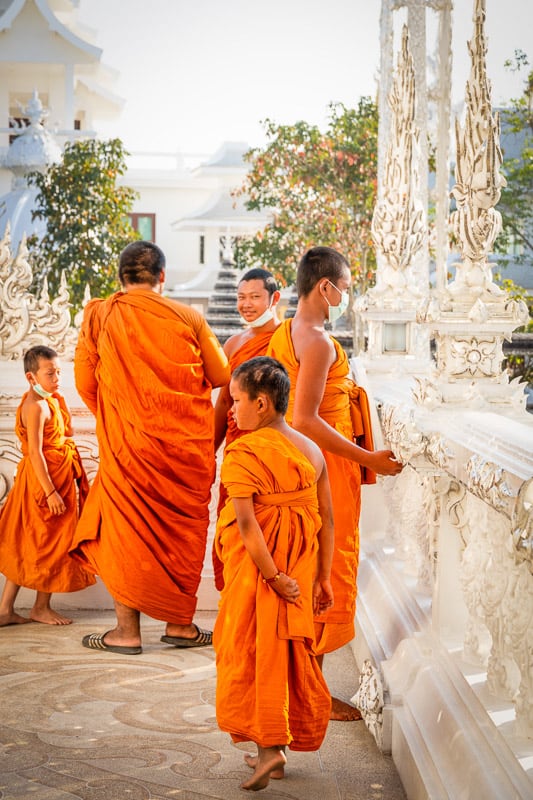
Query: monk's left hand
<point>287,588</point>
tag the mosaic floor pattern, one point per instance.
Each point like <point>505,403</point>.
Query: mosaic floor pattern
<point>76,724</point>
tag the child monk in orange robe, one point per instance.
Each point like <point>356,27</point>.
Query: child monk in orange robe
<point>39,517</point>
<point>275,539</point>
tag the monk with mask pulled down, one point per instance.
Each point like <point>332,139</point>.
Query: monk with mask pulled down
<point>257,298</point>
<point>145,366</point>
<point>330,409</point>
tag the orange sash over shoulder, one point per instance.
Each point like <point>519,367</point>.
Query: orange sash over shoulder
<point>34,543</point>
<point>270,689</point>
<point>344,406</point>
<point>145,365</point>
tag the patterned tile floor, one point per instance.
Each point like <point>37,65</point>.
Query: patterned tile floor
<point>101,726</point>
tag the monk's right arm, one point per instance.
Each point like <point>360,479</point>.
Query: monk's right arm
<point>36,416</point>
<point>254,542</point>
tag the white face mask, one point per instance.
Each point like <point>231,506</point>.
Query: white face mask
<point>265,317</point>
<point>335,312</point>
<point>40,391</point>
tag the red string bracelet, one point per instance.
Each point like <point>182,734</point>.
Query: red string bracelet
<point>51,493</point>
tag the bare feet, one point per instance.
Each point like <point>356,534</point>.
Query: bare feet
<point>269,759</point>
<point>12,619</point>
<point>277,774</point>
<point>344,712</point>
<point>48,616</point>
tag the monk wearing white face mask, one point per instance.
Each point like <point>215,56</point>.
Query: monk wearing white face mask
<point>329,408</point>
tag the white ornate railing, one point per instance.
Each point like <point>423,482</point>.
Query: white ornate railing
<point>446,596</point>
<point>445,585</point>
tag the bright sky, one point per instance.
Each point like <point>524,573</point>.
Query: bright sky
<point>197,72</point>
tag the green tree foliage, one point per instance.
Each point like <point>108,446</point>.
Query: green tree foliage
<point>516,204</point>
<point>86,217</point>
<point>320,188</point>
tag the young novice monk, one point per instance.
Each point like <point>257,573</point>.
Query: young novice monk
<point>38,519</point>
<point>275,539</point>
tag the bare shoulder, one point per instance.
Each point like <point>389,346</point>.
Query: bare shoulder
<point>311,340</point>
<point>235,342</point>
<point>34,409</point>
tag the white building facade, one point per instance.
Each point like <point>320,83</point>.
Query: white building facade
<point>184,204</point>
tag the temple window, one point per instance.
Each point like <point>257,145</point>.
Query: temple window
<point>144,224</point>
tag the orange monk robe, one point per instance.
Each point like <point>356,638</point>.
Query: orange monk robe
<point>34,543</point>
<point>270,689</point>
<point>344,406</point>
<point>145,366</point>
<point>257,346</point>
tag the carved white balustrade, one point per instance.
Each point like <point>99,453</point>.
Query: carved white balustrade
<point>445,583</point>
<point>445,603</point>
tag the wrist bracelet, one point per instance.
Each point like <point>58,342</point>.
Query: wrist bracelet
<point>276,577</point>
<point>51,493</point>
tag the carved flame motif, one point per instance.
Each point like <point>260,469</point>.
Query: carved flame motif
<point>26,320</point>
<point>398,223</point>
<point>476,223</point>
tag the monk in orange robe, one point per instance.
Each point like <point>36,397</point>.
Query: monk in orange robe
<point>326,405</point>
<point>257,298</point>
<point>270,689</point>
<point>38,519</point>
<point>145,366</point>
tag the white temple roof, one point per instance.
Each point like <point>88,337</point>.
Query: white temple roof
<point>224,212</point>
<point>11,10</point>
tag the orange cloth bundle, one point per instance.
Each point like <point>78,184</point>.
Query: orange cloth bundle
<point>270,689</point>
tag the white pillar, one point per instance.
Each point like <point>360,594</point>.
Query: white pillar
<point>69,97</point>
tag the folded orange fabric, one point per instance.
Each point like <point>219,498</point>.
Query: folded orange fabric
<point>270,689</point>
<point>34,543</point>
<point>145,366</point>
<point>343,404</point>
